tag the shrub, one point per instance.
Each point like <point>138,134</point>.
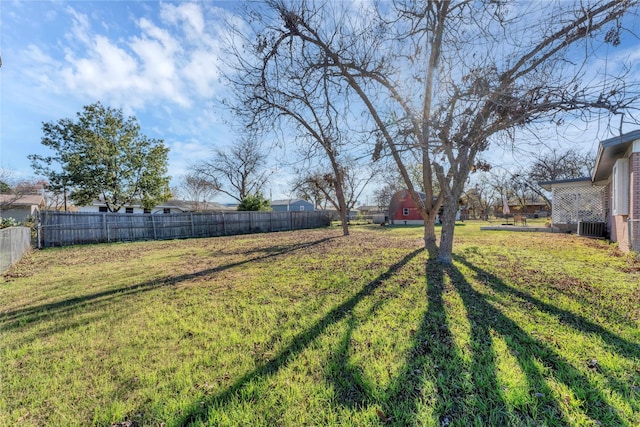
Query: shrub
<point>8,222</point>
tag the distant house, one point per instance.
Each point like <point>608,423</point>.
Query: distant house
<point>608,202</point>
<point>168,207</point>
<point>20,207</point>
<point>403,210</point>
<point>370,210</point>
<point>293,205</point>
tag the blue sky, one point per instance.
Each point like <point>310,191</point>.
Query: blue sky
<point>157,61</point>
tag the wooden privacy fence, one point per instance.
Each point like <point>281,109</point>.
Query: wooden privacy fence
<point>72,228</point>
<point>14,242</point>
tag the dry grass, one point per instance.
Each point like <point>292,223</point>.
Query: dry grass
<point>312,328</point>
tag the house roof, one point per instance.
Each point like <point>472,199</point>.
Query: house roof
<point>183,205</point>
<point>368,208</point>
<point>611,150</point>
<point>24,200</point>
<point>286,202</point>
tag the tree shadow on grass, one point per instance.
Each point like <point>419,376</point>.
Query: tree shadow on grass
<point>297,346</point>
<point>23,316</point>
<point>349,387</point>
<point>468,392</point>
<point>435,382</point>
<point>617,344</point>
<point>530,352</point>
<point>435,362</point>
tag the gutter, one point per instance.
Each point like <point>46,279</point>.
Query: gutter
<point>597,164</point>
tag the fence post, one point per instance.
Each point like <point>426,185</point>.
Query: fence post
<point>105,229</point>
<point>39,229</point>
<point>153,225</point>
<point>193,232</point>
<point>224,227</point>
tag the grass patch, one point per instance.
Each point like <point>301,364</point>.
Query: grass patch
<point>312,328</point>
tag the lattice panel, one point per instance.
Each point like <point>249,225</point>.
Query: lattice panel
<point>573,204</point>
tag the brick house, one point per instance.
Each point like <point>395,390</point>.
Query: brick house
<point>608,202</point>
<point>618,163</point>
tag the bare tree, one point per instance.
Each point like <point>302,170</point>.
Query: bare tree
<point>552,165</point>
<point>324,187</point>
<point>277,86</point>
<point>445,79</point>
<point>197,189</point>
<point>305,188</point>
<point>237,171</point>
<point>561,164</point>
<point>481,196</point>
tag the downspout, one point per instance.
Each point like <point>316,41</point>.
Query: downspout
<point>631,240</point>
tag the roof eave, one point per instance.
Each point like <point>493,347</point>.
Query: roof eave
<point>610,150</point>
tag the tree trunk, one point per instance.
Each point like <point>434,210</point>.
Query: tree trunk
<point>446,236</point>
<point>430,235</point>
<point>342,203</point>
<point>345,222</point>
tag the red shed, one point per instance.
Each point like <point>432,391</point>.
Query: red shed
<point>402,209</point>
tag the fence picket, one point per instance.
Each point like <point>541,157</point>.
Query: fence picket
<point>71,228</point>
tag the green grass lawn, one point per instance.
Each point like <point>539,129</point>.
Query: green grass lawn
<point>312,328</point>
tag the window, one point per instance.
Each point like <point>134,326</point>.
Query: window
<point>129,210</point>
<point>166,210</point>
<point>405,211</point>
<point>301,208</point>
<point>620,187</point>
<point>147,210</point>
<point>103,209</point>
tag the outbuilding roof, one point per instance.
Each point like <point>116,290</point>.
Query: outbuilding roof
<point>24,200</point>
<point>547,184</point>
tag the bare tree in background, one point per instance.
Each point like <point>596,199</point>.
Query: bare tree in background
<point>561,164</point>
<point>237,171</point>
<point>553,165</point>
<point>304,187</point>
<point>325,185</point>
<point>278,86</point>
<point>197,190</point>
<point>481,196</point>
<point>445,79</point>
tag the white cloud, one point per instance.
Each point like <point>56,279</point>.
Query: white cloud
<point>80,27</point>
<point>202,73</point>
<point>176,64</point>
<point>189,14</point>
